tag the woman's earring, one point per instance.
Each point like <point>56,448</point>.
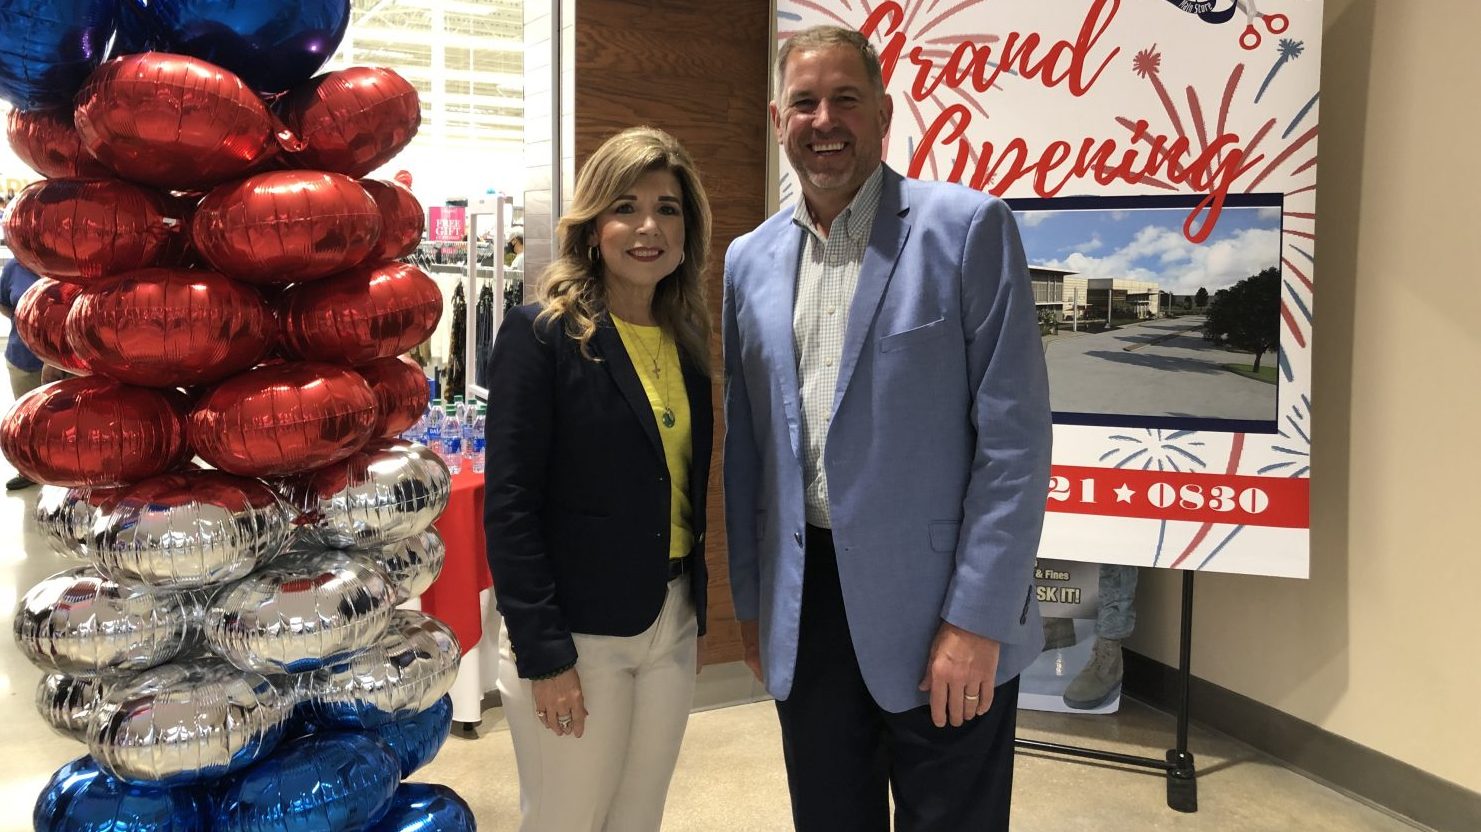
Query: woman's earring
<point>593,254</point>
<point>681,257</point>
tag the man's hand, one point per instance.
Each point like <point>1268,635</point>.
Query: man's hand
<point>960,675</point>
<point>559,704</point>
<point>751,641</point>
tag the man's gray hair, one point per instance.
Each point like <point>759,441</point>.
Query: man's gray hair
<point>823,37</point>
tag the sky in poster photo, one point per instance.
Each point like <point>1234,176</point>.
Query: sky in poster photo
<point>1148,244</point>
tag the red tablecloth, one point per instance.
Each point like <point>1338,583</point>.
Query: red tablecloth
<point>453,597</point>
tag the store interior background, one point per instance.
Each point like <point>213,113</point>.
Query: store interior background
<point>1366,675</point>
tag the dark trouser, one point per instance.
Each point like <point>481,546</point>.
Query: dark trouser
<point>843,751</point>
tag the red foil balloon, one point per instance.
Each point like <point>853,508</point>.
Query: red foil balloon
<point>173,121</point>
<point>402,219</point>
<point>284,226</point>
<point>41,322</point>
<point>170,327</point>
<point>79,230</point>
<point>180,251</point>
<point>401,393</point>
<point>92,431</point>
<point>47,140</point>
<point>283,418</point>
<point>352,121</point>
<point>360,315</point>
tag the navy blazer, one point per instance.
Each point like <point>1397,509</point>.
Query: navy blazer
<point>577,504</point>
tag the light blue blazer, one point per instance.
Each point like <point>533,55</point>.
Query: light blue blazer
<point>937,454</point>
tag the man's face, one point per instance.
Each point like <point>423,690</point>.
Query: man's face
<point>830,120</point>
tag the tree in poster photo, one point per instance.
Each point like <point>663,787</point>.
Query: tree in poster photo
<point>1247,315</point>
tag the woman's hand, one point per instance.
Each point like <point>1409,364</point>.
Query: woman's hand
<point>558,704</point>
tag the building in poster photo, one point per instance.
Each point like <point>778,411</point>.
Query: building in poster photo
<point>1137,320</point>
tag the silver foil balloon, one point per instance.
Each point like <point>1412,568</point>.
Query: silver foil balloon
<point>83,624</point>
<point>303,611</point>
<point>68,703</point>
<point>414,664</point>
<point>414,563</point>
<point>184,723</point>
<point>64,516</point>
<point>190,529</point>
<point>379,494</point>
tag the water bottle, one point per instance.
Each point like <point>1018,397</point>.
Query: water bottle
<point>452,440</point>
<point>434,427</point>
<point>475,460</point>
<point>470,410</point>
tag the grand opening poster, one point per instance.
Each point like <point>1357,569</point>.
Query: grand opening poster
<point>1160,157</point>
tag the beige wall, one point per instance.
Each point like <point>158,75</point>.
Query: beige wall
<point>1381,646</point>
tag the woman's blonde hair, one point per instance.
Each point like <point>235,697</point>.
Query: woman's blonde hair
<point>572,289</point>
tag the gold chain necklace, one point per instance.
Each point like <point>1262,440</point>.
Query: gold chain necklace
<point>663,397</point>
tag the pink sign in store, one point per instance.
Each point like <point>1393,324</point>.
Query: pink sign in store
<point>447,224</point>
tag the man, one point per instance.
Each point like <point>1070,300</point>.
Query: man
<point>25,368</point>
<point>886,465</point>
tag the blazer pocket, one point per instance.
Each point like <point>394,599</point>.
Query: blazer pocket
<point>944,534</point>
<point>914,335</point>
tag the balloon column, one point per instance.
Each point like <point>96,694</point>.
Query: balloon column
<point>222,466</point>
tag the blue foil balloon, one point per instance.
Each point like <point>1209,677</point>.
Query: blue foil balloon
<point>81,797</point>
<point>270,44</point>
<point>417,738</point>
<point>427,807</point>
<point>48,48</point>
<point>324,783</point>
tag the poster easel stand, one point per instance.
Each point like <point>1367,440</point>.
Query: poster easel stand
<point>1182,776</point>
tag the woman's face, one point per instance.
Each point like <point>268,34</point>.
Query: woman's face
<point>641,234</point>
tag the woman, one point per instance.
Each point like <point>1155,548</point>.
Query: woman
<point>599,435</point>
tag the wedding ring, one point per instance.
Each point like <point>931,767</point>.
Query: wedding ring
<point>563,721</point>
<point>970,698</point>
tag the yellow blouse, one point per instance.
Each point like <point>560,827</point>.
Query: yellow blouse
<point>656,358</point>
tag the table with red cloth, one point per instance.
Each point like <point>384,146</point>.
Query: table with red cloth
<point>453,597</point>
<point>462,597</point>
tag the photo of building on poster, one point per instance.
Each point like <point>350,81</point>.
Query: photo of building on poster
<point>1143,328</point>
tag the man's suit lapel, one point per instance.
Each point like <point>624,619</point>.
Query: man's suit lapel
<point>608,346</point>
<point>781,298</point>
<point>886,240</point>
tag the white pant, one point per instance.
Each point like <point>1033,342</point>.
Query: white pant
<point>638,691</point>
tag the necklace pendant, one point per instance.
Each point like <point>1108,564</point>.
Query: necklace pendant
<point>668,417</point>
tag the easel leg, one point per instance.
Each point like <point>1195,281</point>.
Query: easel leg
<point>1182,775</point>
